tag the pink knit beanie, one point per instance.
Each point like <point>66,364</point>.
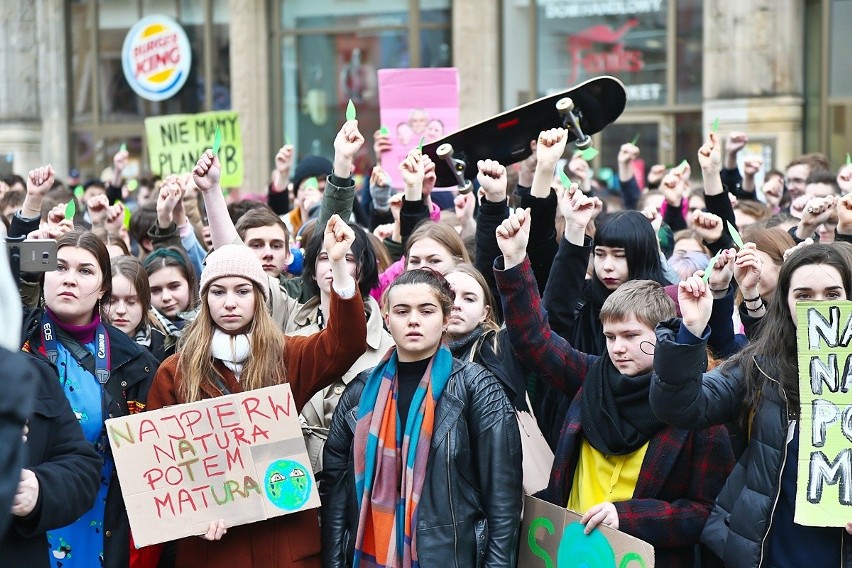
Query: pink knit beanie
<point>234,260</point>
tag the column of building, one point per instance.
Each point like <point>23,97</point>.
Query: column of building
<point>33,85</point>
<point>753,71</point>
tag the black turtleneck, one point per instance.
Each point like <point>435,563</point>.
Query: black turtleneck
<point>409,376</point>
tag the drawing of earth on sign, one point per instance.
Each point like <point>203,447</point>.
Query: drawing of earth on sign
<point>287,484</point>
<point>591,551</point>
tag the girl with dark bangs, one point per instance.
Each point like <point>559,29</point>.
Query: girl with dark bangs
<point>625,248</point>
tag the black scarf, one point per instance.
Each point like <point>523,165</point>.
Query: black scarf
<point>486,355</point>
<point>460,346</point>
<point>614,409</point>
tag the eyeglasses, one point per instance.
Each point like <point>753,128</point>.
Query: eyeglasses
<point>798,181</point>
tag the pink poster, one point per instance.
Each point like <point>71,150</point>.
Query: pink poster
<point>416,104</point>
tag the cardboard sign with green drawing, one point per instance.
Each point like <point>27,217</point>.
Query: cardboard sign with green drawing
<point>552,537</point>
<point>239,457</point>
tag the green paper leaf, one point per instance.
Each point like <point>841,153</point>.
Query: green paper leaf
<point>127,216</point>
<point>710,266</point>
<point>71,209</point>
<point>122,148</point>
<point>350,110</point>
<point>589,154</point>
<point>681,167</point>
<point>715,127</point>
<point>738,240</point>
<point>79,191</point>
<point>132,185</point>
<point>312,183</point>
<point>635,139</point>
<point>848,159</point>
<point>564,179</point>
<point>384,130</point>
<point>287,141</point>
<point>217,140</point>
<point>422,139</point>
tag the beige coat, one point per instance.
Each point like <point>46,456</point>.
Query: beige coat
<point>316,414</point>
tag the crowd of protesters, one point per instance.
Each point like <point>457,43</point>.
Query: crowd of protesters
<point>616,351</point>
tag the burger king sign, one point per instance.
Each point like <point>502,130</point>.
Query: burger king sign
<point>156,57</point>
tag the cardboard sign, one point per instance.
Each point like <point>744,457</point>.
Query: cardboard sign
<point>415,105</point>
<point>824,489</point>
<point>552,537</point>
<point>175,143</point>
<point>239,457</point>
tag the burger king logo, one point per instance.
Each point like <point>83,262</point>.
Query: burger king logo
<point>156,57</point>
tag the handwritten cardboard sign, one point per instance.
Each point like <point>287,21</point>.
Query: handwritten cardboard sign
<point>552,537</point>
<point>239,457</point>
<point>175,143</point>
<point>415,105</point>
<point>824,491</point>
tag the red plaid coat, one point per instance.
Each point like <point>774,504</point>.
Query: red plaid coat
<point>683,470</point>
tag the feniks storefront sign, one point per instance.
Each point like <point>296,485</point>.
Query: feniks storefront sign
<point>581,39</point>
<point>156,57</point>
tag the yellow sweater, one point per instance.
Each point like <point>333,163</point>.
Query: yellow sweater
<point>602,478</point>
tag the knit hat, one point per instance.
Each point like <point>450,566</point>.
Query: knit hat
<point>234,260</point>
<point>311,166</point>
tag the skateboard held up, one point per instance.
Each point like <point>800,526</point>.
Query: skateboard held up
<point>583,110</point>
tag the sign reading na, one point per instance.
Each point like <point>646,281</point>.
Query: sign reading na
<point>239,457</point>
<point>824,491</point>
<point>175,143</point>
<point>156,58</point>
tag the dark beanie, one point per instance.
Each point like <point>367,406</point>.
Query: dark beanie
<point>311,166</point>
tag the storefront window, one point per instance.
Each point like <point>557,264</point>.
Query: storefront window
<point>690,50</point>
<point>839,83</point>
<point>104,106</point>
<point>840,67</point>
<point>655,47</point>
<point>579,40</point>
<point>331,51</point>
<point>689,138</point>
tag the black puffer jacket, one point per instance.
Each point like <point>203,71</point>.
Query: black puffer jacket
<point>470,508</point>
<point>132,372</point>
<point>66,465</point>
<point>681,396</point>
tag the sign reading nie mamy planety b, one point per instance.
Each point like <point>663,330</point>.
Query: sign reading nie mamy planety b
<point>156,57</point>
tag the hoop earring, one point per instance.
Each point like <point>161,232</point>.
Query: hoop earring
<point>642,348</point>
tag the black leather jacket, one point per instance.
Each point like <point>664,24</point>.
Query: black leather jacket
<point>470,508</point>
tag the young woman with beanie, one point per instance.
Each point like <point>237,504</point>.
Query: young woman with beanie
<point>233,346</point>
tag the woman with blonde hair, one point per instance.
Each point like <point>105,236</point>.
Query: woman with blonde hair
<point>129,307</point>
<point>234,346</point>
<point>432,245</point>
<point>473,334</point>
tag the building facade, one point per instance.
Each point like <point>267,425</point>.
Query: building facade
<point>775,68</point>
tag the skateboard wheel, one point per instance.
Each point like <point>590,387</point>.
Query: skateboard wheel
<point>468,187</point>
<point>444,151</point>
<point>584,143</point>
<point>565,104</point>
